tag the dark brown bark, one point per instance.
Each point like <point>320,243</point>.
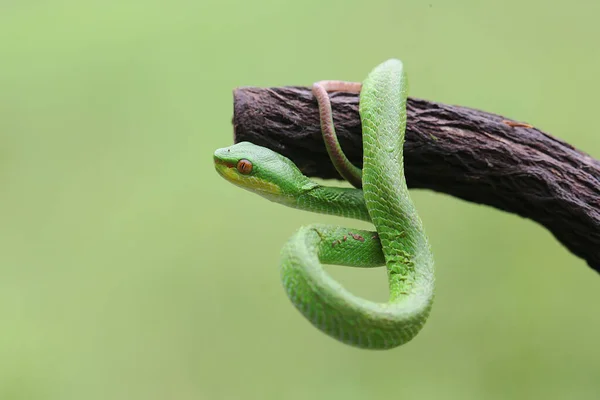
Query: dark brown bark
<point>470,154</point>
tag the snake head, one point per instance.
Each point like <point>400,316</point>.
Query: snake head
<point>261,170</point>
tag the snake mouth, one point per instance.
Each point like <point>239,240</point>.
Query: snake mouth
<point>225,170</point>
<point>219,161</point>
<point>253,184</point>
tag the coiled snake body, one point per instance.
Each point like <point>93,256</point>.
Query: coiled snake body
<point>399,241</point>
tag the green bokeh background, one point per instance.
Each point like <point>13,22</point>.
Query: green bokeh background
<point>130,270</point>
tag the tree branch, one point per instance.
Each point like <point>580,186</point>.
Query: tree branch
<point>469,154</point>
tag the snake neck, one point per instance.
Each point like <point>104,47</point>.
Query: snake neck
<point>342,202</point>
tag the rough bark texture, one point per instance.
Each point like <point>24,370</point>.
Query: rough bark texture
<point>470,154</point>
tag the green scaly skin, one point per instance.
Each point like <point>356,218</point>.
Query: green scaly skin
<point>399,242</point>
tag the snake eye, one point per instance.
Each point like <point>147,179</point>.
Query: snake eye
<point>244,167</point>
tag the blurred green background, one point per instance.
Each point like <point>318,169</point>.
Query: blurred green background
<point>130,270</point>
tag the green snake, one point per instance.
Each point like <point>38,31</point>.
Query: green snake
<point>399,242</point>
